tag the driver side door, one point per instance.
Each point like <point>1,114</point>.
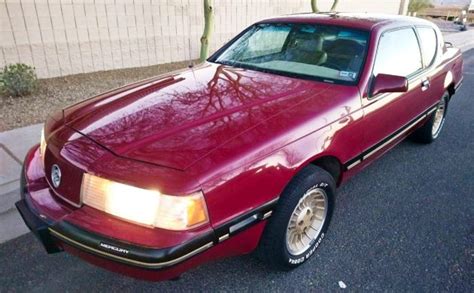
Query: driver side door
<point>389,116</point>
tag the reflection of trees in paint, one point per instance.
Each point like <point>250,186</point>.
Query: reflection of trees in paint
<point>209,104</point>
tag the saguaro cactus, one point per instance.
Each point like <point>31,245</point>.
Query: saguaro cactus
<point>208,25</point>
<point>314,6</point>
<point>334,5</point>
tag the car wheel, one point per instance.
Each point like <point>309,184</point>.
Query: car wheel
<point>300,220</point>
<point>430,131</point>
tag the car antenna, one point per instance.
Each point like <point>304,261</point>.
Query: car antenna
<point>190,58</point>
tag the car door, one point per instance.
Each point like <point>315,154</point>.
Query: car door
<point>387,115</point>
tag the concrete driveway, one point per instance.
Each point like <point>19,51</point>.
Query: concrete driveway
<point>13,147</point>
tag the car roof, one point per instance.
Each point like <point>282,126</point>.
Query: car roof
<point>365,21</point>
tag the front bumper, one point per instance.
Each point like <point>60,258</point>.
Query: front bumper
<point>52,235</point>
<point>38,226</point>
<point>59,227</point>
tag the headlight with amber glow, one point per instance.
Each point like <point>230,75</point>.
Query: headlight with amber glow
<point>144,206</point>
<point>42,144</point>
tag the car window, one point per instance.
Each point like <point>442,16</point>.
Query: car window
<point>428,44</point>
<point>322,52</point>
<point>268,40</point>
<point>398,53</point>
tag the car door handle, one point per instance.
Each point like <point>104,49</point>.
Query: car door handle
<point>425,84</point>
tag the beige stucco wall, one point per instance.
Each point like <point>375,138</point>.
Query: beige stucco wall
<point>62,37</point>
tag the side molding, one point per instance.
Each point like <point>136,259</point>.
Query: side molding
<point>386,141</point>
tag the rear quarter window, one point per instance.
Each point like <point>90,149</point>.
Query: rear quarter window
<point>428,42</point>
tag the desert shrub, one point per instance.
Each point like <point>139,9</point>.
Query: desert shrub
<point>18,79</point>
<point>418,5</point>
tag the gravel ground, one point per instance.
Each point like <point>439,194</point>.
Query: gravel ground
<point>56,93</point>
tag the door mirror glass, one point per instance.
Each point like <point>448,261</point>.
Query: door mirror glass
<point>386,83</point>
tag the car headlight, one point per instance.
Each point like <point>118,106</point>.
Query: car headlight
<point>42,144</point>
<point>144,206</point>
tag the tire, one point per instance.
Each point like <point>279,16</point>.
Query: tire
<point>430,131</point>
<point>311,185</point>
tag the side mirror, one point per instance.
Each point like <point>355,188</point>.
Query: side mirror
<point>386,83</point>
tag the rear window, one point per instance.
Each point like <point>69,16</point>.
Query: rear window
<point>428,44</point>
<point>398,53</point>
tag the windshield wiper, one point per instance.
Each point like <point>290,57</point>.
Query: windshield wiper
<point>225,62</point>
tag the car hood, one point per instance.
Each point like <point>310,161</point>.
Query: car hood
<point>175,120</point>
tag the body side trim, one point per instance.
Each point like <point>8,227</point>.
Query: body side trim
<point>387,140</point>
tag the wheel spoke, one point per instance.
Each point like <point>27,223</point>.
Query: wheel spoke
<point>310,237</point>
<point>314,229</point>
<point>316,225</point>
<point>304,244</point>
<point>318,217</point>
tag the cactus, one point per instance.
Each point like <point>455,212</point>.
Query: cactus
<point>208,25</point>
<point>314,6</point>
<point>334,5</point>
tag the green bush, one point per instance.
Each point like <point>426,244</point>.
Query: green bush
<point>418,5</point>
<point>18,79</point>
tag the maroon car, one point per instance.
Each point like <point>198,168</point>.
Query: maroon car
<point>242,152</point>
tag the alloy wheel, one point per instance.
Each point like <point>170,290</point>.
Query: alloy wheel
<point>306,221</point>
<point>439,116</point>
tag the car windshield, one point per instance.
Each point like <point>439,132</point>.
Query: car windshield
<point>322,52</point>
